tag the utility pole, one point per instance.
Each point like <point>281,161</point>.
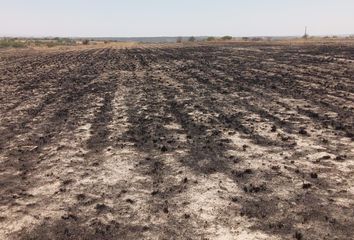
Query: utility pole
<point>306,35</point>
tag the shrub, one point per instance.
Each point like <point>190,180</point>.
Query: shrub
<point>86,42</point>
<point>7,43</point>
<point>226,38</point>
<point>191,39</point>
<point>256,39</point>
<point>209,39</point>
<point>179,40</point>
<point>51,44</point>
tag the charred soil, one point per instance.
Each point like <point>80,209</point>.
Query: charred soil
<point>195,142</point>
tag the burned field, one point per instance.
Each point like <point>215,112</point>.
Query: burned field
<point>227,141</point>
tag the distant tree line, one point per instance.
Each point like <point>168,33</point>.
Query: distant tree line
<point>209,39</point>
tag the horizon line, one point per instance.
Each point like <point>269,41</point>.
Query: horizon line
<point>169,36</point>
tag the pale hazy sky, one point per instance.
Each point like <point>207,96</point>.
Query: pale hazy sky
<point>132,18</point>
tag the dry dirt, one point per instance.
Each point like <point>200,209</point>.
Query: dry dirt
<point>223,141</point>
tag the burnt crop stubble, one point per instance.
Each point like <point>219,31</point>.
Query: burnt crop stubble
<point>202,141</point>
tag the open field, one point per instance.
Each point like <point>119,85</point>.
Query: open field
<point>201,141</point>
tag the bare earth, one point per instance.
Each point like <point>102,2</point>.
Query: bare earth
<point>212,141</point>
